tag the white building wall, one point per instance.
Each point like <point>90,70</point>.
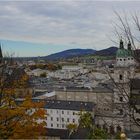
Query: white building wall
<point>59,119</point>
<point>72,68</point>
<point>127,61</point>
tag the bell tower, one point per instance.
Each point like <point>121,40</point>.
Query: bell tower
<point>123,72</point>
<point>125,63</point>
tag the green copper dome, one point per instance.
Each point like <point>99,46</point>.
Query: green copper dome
<point>122,52</point>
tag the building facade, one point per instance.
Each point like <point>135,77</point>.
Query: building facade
<point>61,113</point>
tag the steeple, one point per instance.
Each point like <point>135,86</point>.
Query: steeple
<point>129,45</point>
<point>1,56</point>
<point>121,44</point>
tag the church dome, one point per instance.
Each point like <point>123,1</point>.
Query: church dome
<point>130,53</point>
<point>123,53</point>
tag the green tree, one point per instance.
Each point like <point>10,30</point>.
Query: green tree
<point>98,133</point>
<point>72,127</point>
<point>86,121</point>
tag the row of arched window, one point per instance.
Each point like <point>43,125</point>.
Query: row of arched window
<point>124,59</point>
<point>110,129</point>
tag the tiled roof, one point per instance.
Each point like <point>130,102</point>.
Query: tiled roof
<point>69,105</point>
<point>64,134</point>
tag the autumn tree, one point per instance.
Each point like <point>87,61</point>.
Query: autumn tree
<point>18,118</point>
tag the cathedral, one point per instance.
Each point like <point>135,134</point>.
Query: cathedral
<point>119,118</point>
<point>124,73</point>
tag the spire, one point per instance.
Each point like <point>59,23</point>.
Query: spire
<point>129,45</point>
<point>121,44</point>
<point>1,54</point>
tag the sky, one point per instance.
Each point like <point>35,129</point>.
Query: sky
<point>40,28</point>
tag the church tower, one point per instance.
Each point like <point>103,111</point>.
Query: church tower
<point>125,57</point>
<point>124,70</point>
<point>125,63</point>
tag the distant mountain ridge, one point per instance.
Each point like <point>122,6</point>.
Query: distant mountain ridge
<point>70,53</point>
<point>111,51</point>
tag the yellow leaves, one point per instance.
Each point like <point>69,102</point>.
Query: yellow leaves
<point>20,82</point>
<point>40,113</point>
<point>72,126</point>
<point>21,120</point>
<point>9,90</point>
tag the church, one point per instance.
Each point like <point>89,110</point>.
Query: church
<point>125,83</point>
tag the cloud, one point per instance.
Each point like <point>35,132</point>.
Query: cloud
<point>87,24</point>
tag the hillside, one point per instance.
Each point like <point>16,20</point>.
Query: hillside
<point>70,53</point>
<point>111,51</point>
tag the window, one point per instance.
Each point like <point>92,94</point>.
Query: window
<point>120,59</point>
<point>62,112</point>
<point>57,119</point>
<point>63,125</point>
<point>51,111</point>
<point>68,119</point>
<point>51,118</point>
<point>57,111</point>
<point>124,59</point>
<point>73,120</point>
<point>51,125</point>
<point>131,58</point>
<point>68,112</point>
<point>62,119</point>
<point>73,113</point>
<point>121,77</point>
<point>57,125</point>
<point>119,128</point>
<point>128,58</point>
<point>121,99</point>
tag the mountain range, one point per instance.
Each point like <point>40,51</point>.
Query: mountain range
<point>111,51</point>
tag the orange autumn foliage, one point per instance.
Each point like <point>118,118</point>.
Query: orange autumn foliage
<point>20,119</point>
